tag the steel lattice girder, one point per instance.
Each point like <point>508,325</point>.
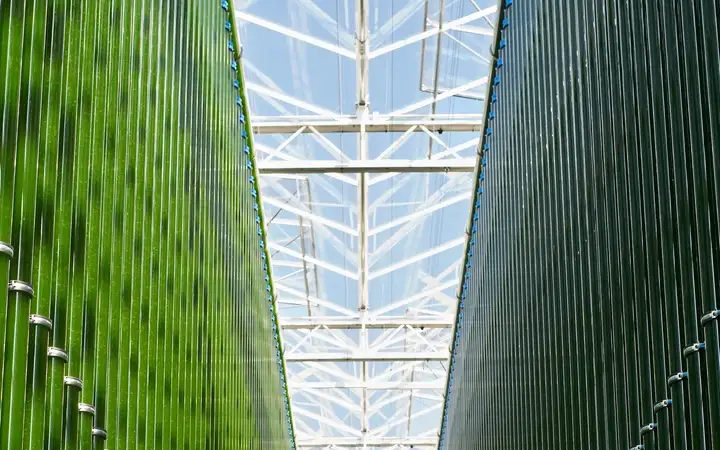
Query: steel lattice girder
<point>389,350</point>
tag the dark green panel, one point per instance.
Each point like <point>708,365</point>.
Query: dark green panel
<point>588,315</point>
<point>140,310</point>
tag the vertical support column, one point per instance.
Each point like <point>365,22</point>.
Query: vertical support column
<point>362,111</point>
<point>436,79</point>
<point>301,229</point>
<point>311,229</point>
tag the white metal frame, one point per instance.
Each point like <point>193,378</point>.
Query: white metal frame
<point>364,358</point>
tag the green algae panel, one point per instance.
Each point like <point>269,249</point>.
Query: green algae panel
<point>137,313</point>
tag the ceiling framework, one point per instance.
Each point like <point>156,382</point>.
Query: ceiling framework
<point>366,201</point>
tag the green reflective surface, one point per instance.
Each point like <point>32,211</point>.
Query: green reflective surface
<point>125,193</point>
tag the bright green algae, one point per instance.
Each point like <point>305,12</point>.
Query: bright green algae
<point>125,194</point>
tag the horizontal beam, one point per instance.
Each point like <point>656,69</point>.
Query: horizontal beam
<point>371,385</point>
<point>354,125</point>
<point>369,166</point>
<point>433,31</point>
<point>350,442</point>
<point>367,357</point>
<point>467,95</point>
<point>483,31</point>
<point>346,323</point>
<point>289,32</point>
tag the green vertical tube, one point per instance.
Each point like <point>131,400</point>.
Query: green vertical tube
<point>20,102</point>
<point>45,133</point>
<point>195,339</point>
<point>176,241</point>
<point>190,398</point>
<point>156,308</point>
<point>183,170</point>
<point>99,436</point>
<point>86,418</point>
<point>61,168</point>
<point>141,221</point>
<point>92,136</point>
<point>214,295</point>
<point>116,300</point>
<point>130,246</point>
<point>72,275</point>
<point>106,104</point>
<point>15,362</point>
<point>73,386</point>
<point>11,35</point>
<point>58,358</point>
<point>6,254</point>
<point>147,204</point>
<point>162,289</point>
<point>41,328</point>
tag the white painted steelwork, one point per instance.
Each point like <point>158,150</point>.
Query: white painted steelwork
<point>366,116</point>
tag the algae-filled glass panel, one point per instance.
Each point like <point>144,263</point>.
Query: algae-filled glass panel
<point>139,308</point>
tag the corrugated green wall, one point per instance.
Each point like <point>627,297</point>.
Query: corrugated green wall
<point>589,309</point>
<point>128,203</point>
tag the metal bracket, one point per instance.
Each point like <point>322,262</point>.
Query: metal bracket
<point>54,352</point>
<point>677,378</point>
<point>99,433</point>
<point>86,408</point>
<point>37,319</point>
<point>709,317</point>
<point>7,250</point>
<point>648,428</point>
<point>21,287</point>
<point>662,405</point>
<point>74,382</point>
<point>696,347</point>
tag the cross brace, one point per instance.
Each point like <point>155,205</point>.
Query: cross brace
<point>372,385</point>
<point>354,125</point>
<point>369,442</point>
<point>344,323</point>
<point>368,166</point>
<point>367,357</point>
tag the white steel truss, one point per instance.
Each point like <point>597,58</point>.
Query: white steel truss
<point>366,180</point>
<point>365,166</point>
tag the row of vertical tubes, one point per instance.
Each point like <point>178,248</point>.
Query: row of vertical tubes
<point>26,356</point>
<point>589,301</point>
<point>134,311</point>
